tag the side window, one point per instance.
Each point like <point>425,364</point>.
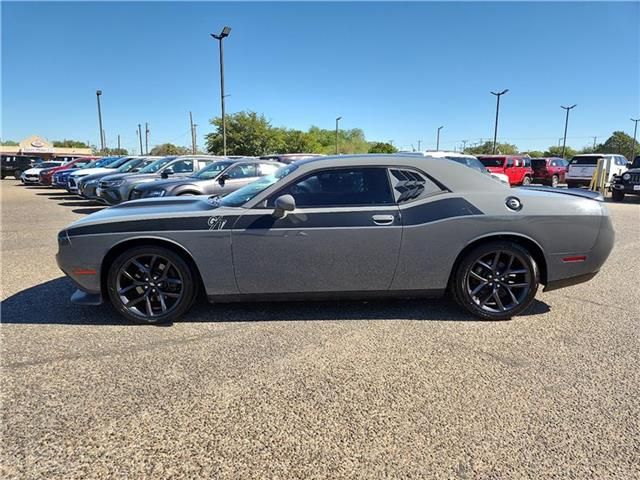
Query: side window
<point>509,163</point>
<point>409,185</point>
<point>242,171</point>
<point>203,163</point>
<point>266,169</point>
<point>340,187</point>
<point>182,166</point>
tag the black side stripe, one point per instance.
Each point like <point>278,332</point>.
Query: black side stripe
<point>411,216</point>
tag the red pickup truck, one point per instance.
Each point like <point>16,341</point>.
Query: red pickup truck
<point>516,167</point>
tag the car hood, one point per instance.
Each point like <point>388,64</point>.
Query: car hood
<point>158,209</point>
<point>88,171</point>
<point>96,176</point>
<point>161,183</point>
<point>34,171</point>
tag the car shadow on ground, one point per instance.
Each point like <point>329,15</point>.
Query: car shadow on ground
<point>48,303</point>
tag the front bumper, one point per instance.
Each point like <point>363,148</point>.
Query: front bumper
<point>110,196</point>
<point>627,188</point>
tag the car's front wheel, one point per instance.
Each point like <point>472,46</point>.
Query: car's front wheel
<point>17,174</point>
<point>526,181</point>
<point>496,281</point>
<point>151,284</point>
<point>617,195</point>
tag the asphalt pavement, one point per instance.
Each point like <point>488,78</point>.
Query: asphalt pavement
<point>379,389</point>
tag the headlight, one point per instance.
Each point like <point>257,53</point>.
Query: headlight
<point>114,183</point>
<point>626,176</point>
<point>155,193</point>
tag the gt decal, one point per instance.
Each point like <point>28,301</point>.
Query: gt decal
<point>217,223</point>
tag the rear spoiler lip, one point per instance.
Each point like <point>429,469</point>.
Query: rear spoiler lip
<point>574,192</point>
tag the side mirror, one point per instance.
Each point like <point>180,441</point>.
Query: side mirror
<point>629,164</point>
<point>284,204</point>
<point>222,179</point>
<point>166,173</point>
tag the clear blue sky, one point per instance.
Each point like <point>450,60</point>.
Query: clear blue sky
<point>398,71</point>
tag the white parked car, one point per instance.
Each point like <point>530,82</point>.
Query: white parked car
<point>582,168</point>
<point>468,160</point>
<point>32,175</point>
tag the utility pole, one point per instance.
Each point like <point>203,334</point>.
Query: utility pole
<point>495,131</point>
<point>566,124</point>
<point>337,120</point>
<point>98,93</point>
<point>594,142</point>
<point>118,141</point>
<point>193,134</point>
<point>438,138</point>
<point>419,144</point>
<point>104,139</point>
<point>139,132</point>
<point>225,33</point>
<point>635,131</point>
<point>146,138</point>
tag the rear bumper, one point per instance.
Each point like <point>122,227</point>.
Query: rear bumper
<point>568,282</point>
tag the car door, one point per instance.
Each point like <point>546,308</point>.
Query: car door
<point>343,236</point>
<point>511,171</point>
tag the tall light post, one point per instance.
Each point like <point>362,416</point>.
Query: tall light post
<point>140,138</point>
<point>337,120</point>
<point>98,93</point>
<point>566,124</point>
<point>635,130</point>
<point>438,139</point>
<point>223,34</point>
<point>495,130</point>
<point>146,138</point>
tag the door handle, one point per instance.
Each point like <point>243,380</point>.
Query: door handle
<point>383,219</point>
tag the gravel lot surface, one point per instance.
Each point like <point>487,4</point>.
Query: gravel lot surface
<point>389,389</point>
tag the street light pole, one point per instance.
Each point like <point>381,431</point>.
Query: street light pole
<point>337,120</point>
<point>495,131</point>
<point>566,124</point>
<point>635,130</point>
<point>223,34</point>
<point>98,93</point>
<point>140,137</point>
<point>146,138</point>
<point>438,139</point>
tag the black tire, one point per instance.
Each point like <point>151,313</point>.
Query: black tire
<point>555,181</point>
<point>16,174</point>
<point>617,195</point>
<point>466,273</point>
<point>572,184</point>
<point>526,181</point>
<point>185,194</point>
<point>140,286</point>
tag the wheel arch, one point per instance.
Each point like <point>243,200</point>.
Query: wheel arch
<point>124,245</point>
<point>528,243</point>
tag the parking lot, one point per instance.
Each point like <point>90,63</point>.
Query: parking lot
<point>403,389</point>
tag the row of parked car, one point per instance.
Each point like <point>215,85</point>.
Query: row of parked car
<point>113,180</point>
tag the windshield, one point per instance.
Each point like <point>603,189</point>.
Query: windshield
<point>118,162</point>
<point>470,162</point>
<point>212,171</point>
<point>584,160</point>
<point>101,162</point>
<point>130,165</point>
<point>246,193</point>
<point>155,166</point>
<point>492,161</point>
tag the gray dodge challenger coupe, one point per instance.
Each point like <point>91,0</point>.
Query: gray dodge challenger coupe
<point>346,226</point>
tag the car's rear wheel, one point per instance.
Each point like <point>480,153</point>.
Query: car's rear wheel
<point>526,181</point>
<point>17,174</point>
<point>151,284</point>
<point>496,281</point>
<point>554,181</point>
<point>617,195</point>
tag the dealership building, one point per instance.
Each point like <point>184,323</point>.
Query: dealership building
<point>36,146</point>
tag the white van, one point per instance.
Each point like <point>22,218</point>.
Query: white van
<point>582,167</point>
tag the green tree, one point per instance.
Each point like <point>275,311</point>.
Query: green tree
<point>487,149</point>
<point>69,144</point>
<point>114,151</point>
<point>169,149</point>
<point>535,153</point>
<point>556,151</point>
<point>9,143</point>
<point>247,134</point>
<point>382,147</point>
<point>619,143</point>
